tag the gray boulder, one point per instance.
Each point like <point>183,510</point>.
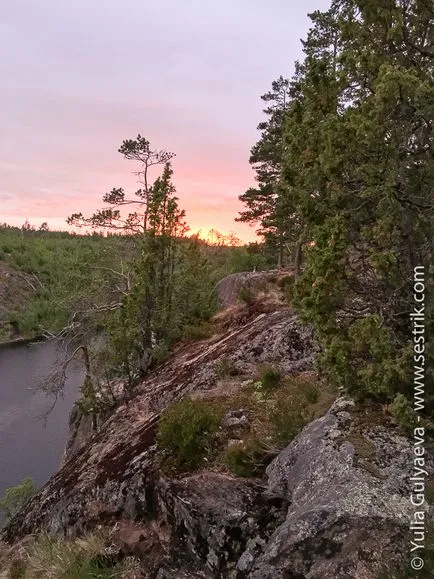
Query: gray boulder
<point>347,480</point>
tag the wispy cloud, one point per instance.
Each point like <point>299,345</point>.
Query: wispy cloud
<point>79,77</point>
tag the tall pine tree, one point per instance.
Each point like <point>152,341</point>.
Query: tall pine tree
<point>358,176</point>
<point>264,205</point>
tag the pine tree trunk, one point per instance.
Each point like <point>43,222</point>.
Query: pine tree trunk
<point>280,257</point>
<point>298,258</point>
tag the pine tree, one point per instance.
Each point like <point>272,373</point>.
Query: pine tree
<point>145,321</point>
<point>358,177</point>
<point>264,204</point>
<point>365,186</point>
<point>150,305</point>
<point>195,296</point>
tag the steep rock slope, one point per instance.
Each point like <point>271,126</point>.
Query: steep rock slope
<point>333,504</point>
<point>114,474</point>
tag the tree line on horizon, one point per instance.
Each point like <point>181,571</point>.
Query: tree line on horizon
<point>122,297</point>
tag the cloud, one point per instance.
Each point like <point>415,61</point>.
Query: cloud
<point>82,76</point>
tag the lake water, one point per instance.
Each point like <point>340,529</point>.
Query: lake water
<point>28,447</point>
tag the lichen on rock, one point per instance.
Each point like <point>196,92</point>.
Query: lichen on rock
<point>333,503</point>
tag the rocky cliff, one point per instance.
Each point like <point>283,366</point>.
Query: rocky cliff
<point>334,503</point>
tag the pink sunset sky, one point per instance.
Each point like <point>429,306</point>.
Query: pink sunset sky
<point>79,77</point>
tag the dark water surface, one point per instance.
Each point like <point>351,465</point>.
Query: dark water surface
<point>28,447</point>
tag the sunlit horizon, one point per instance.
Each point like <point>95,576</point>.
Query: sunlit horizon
<point>205,233</point>
<point>80,80</point>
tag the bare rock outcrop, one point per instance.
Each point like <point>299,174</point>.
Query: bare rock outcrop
<point>335,503</point>
<point>213,517</point>
<point>228,289</point>
<point>347,480</point>
<point>114,475</point>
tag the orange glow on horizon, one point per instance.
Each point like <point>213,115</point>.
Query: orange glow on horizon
<point>211,203</point>
<point>241,232</point>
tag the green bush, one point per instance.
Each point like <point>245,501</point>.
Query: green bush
<point>198,332</point>
<point>99,567</point>
<point>269,377</point>
<point>286,283</point>
<point>402,411</point>
<point>226,367</point>
<point>94,400</point>
<point>15,497</point>
<point>186,432</point>
<point>161,353</point>
<point>245,460</point>
<point>311,393</point>
<point>85,558</point>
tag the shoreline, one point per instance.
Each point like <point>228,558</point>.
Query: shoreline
<point>22,341</point>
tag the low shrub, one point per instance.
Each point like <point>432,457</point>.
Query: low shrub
<point>198,332</point>
<point>186,432</point>
<point>269,377</point>
<point>226,367</point>
<point>160,354</point>
<point>402,411</point>
<point>288,418</point>
<point>311,393</point>
<point>275,417</point>
<point>95,400</point>
<point>286,285</point>
<point>245,460</point>
<point>15,497</point>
